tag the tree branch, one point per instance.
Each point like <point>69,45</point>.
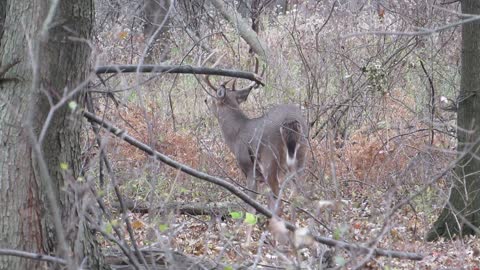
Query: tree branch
<point>181,70</point>
<point>240,194</point>
<point>244,29</point>
<point>422,32</point>
<point>33,256</point>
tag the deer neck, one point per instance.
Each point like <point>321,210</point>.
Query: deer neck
<point>232,121</point>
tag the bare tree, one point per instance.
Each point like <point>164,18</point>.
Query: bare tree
<point>461,215</point>
<point>43,203</point>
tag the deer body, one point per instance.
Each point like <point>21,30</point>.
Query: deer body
<point>269,148</point>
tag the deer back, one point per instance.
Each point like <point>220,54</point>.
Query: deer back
<point>261,145</point>
<point>279,141</point>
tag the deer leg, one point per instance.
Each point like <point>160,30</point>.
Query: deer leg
<point>297,176</point>
<point>252,185</point>
<point>276,226</point>
<point>272,180</point>
<point>252,193</point>
<point>293,194</point>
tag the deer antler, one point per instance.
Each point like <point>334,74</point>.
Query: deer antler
<point>209,83</point>
<point>207,77</point>
<point>232,82</point>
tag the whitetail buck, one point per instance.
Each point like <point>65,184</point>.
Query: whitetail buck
<point>270,148</point>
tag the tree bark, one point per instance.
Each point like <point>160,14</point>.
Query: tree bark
<point>461,215</point>
<point>55,59</point>
<point>3,10</point>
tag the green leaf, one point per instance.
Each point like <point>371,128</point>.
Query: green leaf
<point>163,227</point>
<point>236,215</point>
<point>109,228</point>
<point>250,218</point>
<point>228,268</point>
<point>337,234</point>
<point>339,260</point>
<point>72,105</point>
<point>64,166</point>
<point>132,96</point>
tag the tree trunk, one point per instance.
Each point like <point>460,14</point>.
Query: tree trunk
<point>461,215</point>
<point>54,60</point>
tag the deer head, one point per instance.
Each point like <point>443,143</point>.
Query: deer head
<point>227,96</point>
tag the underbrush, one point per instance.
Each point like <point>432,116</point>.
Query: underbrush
<point>365,181</point>
<point>381,147</point>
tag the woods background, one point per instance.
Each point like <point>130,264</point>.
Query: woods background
<point>389,89</point>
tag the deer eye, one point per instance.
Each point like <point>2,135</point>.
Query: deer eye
<point>221,92</point>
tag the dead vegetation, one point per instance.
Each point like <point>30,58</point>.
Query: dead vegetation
<point>375,141</point>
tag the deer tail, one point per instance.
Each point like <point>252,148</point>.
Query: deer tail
<point>291,132</point>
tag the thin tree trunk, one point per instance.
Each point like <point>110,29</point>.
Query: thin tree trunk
<point>461,215</point>
<point>55,59</point>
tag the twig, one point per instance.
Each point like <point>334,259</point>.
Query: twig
<point>7,67</point>
<point>242,195</point>
<point>317,46</point>
<point>184,69</point>
<point>423,32</point>
<point>432,101</point>
<point>33,256</point>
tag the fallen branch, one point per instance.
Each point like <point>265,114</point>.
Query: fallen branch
<point>161,259</point>
<point>181,70</point>
<point>215,209</point>
<point>33,256</point>
<point>242,195</point>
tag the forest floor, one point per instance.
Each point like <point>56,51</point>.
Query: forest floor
<point>354,199</point>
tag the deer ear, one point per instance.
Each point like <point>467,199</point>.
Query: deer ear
<point>242,95</point>
<point>221,92</point>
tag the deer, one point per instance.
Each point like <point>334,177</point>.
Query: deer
<point>270,148</point>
